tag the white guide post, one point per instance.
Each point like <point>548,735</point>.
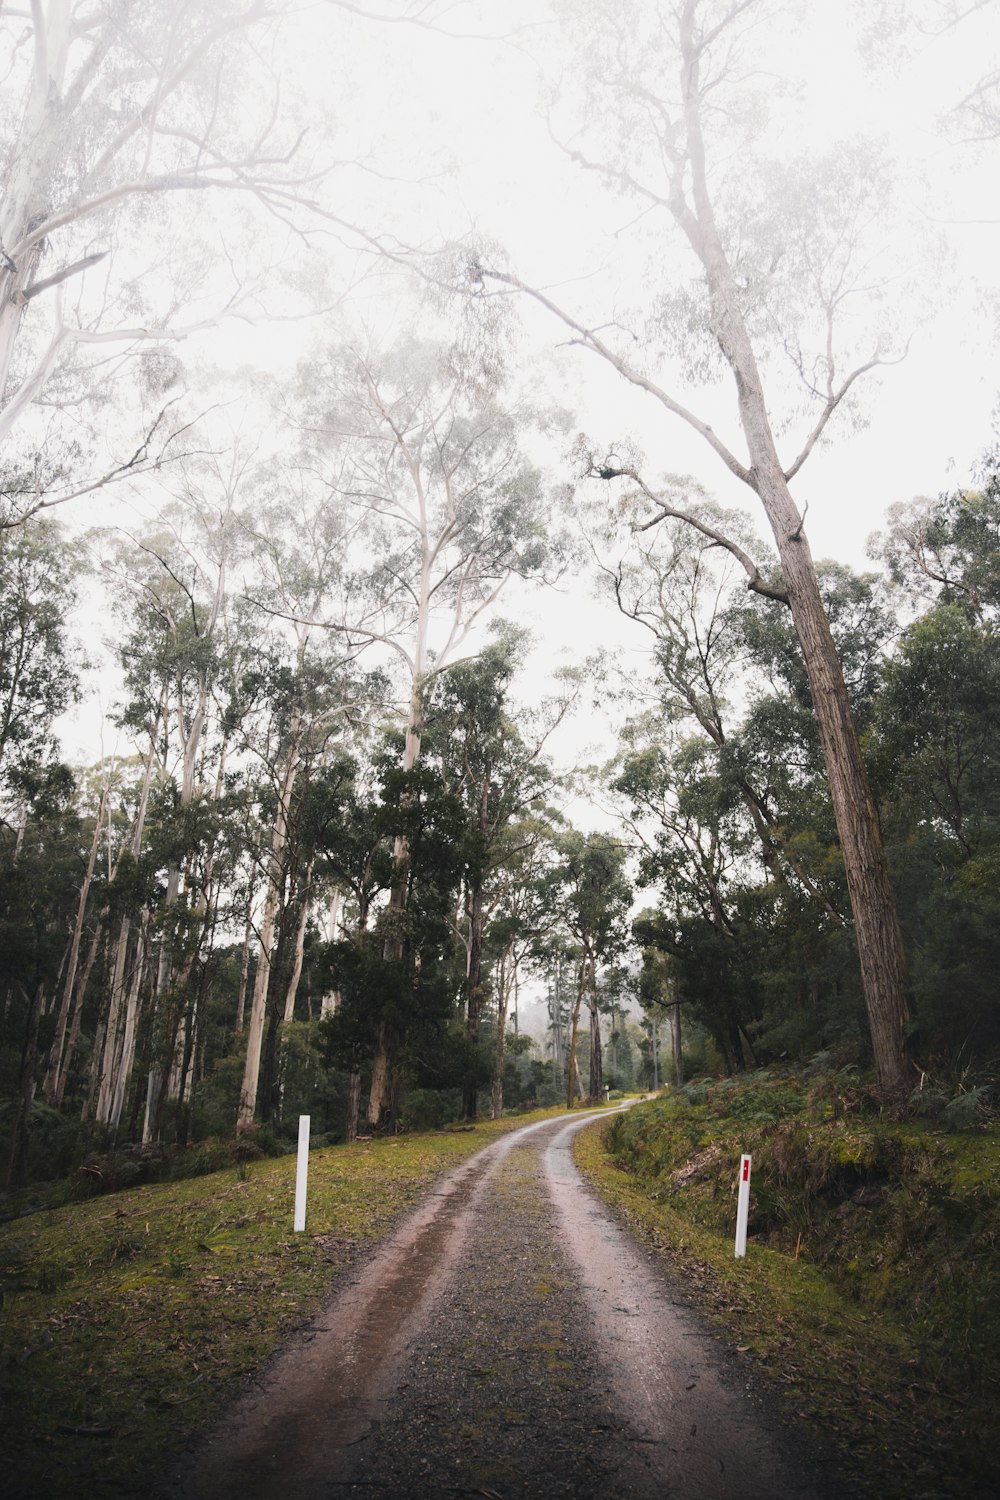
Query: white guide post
<point>743,1207</point>
<point>302,1172</point>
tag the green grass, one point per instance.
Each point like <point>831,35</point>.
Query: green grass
<point>128,1320</point>
<point>885,1333</point>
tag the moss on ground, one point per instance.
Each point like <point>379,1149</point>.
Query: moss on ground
<point>886,1329</point>
<point>128,1320</point>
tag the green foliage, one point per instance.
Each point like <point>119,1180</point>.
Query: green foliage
<point>764,1106</point>
<point>39,667</point>
<point>425,1109</point>
<point>966,1109</point>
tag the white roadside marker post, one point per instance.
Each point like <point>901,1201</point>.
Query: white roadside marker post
<point>301,1173</point>
<point>743,1207</point>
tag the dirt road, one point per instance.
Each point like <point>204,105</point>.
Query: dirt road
<point>510,1341</point>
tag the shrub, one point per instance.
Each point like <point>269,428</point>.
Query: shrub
<point>423,1109</point>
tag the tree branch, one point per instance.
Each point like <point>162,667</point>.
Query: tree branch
<point>38,287</point>
<point>756,581</point>
<point>590,340</point>
<point>833,401</point>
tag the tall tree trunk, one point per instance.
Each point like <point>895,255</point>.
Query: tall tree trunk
<point>241,997</point>
<point>272,903</point>
<point>879,942</point>
<point>58,1042</point>
<point>124,1070</point>
<point>381,1095</point>
<point>258,1005</point>
<point>94,1072</point>
<point>596,1056</point>
<point>477,922</point>
<point>113,1035</point>
<point>292,989</point>
<point>572,1067</point>
<point>555,1013</point>
<point>164,1002</point>
<point>300,944</point>
<point>353,1105</point>
<point>169,990</point>
<point>578,1079</point>
<point>675,1045</point>
<point>76,1020</point>
<point>504,979</point>
<point>105,1061</point>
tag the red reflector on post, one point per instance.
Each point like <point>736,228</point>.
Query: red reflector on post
<point>743,1206</point>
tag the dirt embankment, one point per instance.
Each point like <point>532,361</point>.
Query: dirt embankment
<point>870,1297</point>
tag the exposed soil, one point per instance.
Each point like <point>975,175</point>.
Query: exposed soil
<point>509,1341</point>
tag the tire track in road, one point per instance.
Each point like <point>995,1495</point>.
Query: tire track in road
<point>509,1341</point>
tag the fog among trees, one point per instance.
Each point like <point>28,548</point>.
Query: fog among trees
<point>407,609</point>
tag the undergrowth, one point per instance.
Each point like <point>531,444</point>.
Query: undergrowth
<point>884,1231</point>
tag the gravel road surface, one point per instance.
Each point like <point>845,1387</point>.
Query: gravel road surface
<point>510,1341</point>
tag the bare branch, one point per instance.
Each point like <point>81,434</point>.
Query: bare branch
<point>830,406</point>
<point>756,581</point>
<point>590,340</point>
<point>57,277</point>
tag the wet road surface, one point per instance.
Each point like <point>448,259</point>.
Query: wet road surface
<point>509,1341</point>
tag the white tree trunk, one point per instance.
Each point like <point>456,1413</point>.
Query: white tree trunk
<point>27,193</point>
<point>300,944</point>
<point>124,1069</point>
<point>113,1035</point>
<point>505,979</point>
<point>675,1045</point>
<point>272,902</point>
<point>56,1054</point>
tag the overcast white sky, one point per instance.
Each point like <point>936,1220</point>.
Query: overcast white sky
<point>458,118</point>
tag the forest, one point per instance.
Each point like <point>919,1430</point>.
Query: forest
<point>346,808</point>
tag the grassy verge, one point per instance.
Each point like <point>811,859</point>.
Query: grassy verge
<point>128,1320</point>
<point>867,1335</point>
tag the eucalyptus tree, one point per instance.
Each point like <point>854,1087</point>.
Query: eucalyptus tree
<point>39,663</point>
<point>937,764</point>
<point>415,442</point>
<point>40,667</point>
<point>38,874</point>
<point>698,849</point>
<point>524,923</point>
<point>115,853</point>
<point>658,994</point>
<point>115,119</point>
<point>304,703</point>
<point>774,265</point>
<point>592,893</point>
<point>685,590</point>
<point>307,692</point>
<point>948,549</point>
<point>936,761</point>
<point>174,582</point>
<point>399,976</point>
<point>493,758</point>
